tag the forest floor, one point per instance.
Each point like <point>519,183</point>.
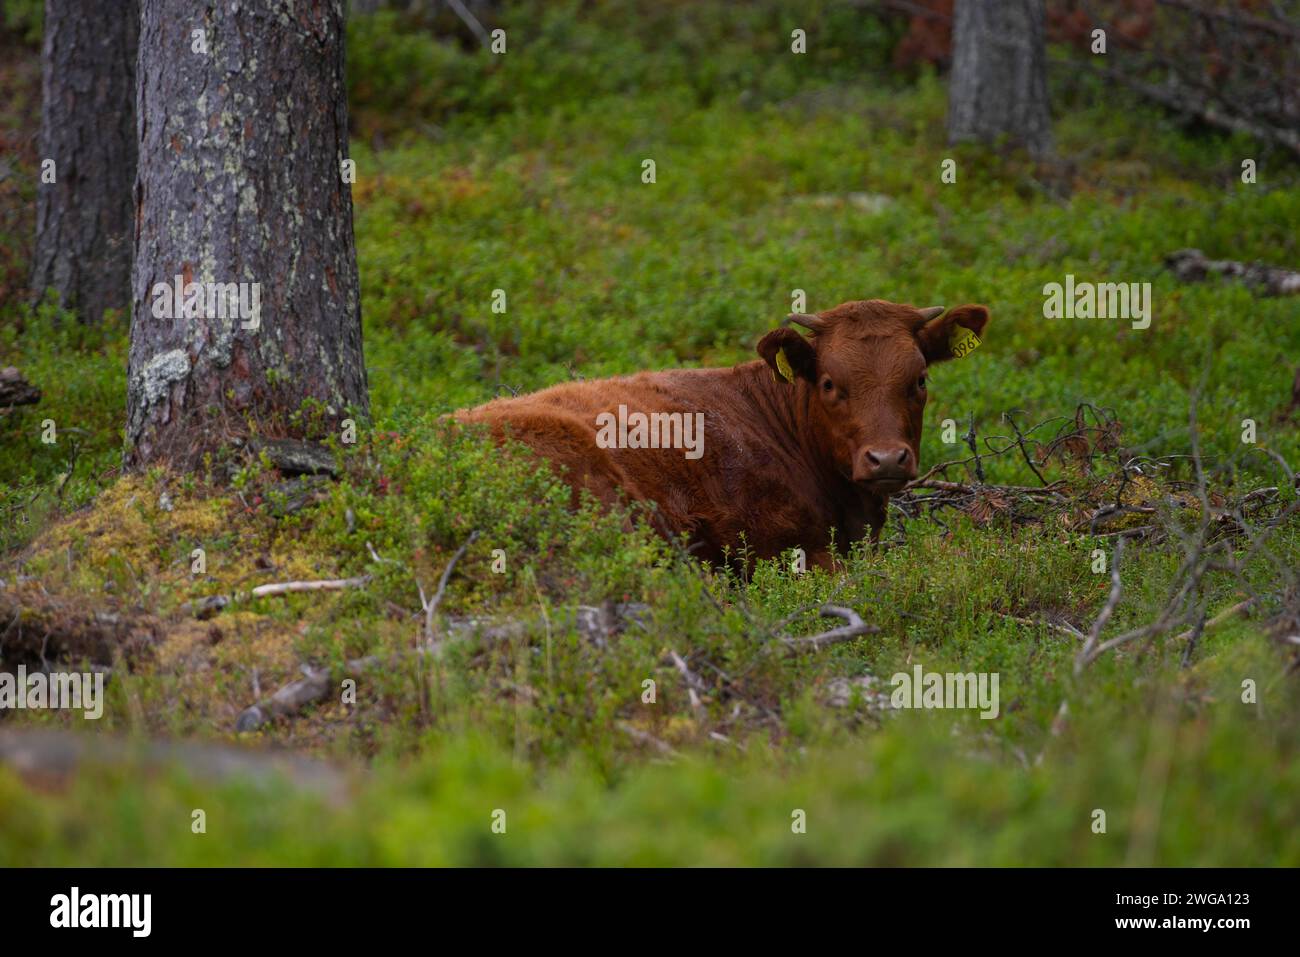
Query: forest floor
<point>615,700</point>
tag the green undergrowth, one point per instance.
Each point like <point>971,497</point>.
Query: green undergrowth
<point>523,173</point>
<point>918,798</point>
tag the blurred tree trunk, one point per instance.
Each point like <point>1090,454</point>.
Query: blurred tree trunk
<point>243,207</point>
<point>998,85</point>
<point>84,217</point>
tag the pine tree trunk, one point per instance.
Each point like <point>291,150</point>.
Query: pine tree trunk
<point>84,218</point>
<point>998,85</point>
<point>241,151</point>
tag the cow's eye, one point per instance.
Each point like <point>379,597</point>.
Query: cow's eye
<point>920,384</point>
<point>827,385</point>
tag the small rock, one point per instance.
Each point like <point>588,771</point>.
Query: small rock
<point>206,607</point>
<point>293,457</point>
<point>840,691</point>
<point>297,493</point>
<point>250,719</point>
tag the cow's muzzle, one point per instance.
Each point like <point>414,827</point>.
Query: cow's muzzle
<point>884,469</point>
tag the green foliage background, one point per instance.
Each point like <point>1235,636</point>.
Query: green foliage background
<point>774,172</point>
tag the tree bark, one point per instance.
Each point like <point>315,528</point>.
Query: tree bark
<point>84,217</point>
<point>998,85</point>
<point>240,182</point>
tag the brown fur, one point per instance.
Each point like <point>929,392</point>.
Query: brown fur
<point>785,464</point>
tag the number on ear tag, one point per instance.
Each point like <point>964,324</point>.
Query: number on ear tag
<point>963,342</point>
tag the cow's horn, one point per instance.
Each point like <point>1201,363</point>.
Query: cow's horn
<point>815,323</point>
<point>932,312</point>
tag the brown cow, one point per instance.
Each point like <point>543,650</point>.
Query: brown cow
<point>798,449</point>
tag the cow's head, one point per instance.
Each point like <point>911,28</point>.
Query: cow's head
<point>861,376</point>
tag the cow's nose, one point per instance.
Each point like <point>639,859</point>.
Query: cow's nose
<point>886,464</point>
<point>888,459</point>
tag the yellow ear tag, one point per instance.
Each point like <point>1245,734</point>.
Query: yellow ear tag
<point>783,366</point>
<point>963,342</point>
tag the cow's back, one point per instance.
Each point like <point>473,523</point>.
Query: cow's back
<point>735,486</point>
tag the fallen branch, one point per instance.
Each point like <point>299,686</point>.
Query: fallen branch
<point>1180,96</point>
<point>431,606</point>
<point>314,686</point>
<point>645,737</point>
<point>1063,627</point>
<point>1192,265</point>
<point>1227,614</point>
<point>1198,555</point>
<point>1278,26</point>
<point>592,622</point>
<point>1137,531</point>
<point>1051,491</point>
<point>1057,728</point>
<point>694,686</point>
<point>1111,511</point>
<point>1089,650</point>
<point>855,627</point>
<point>331,584</point>
<point>1020,443</point>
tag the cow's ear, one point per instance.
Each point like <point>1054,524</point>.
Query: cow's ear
<point>788,354</point>
<point>949,336</point>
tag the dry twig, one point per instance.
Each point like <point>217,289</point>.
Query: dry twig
<point>431,606</point>
<point>331,584</point>
<point>855,627</point>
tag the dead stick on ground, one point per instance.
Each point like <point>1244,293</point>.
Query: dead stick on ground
<point>855,627</point>
<point>1053,489</point>
<point>694,687</point>
<point>312,687</point>
<point>1086,653</point>
<point>316,682</point>
<point>1227,613</point>
<point>332,584</point>
<point>1057,729</point>
<point>1020,441</point>
<point>1191,265</point>
<point>431,607</point>
<point>1064,628</point>
<point>646,738</point>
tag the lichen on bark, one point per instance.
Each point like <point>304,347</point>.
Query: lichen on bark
<point>239,183</point>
